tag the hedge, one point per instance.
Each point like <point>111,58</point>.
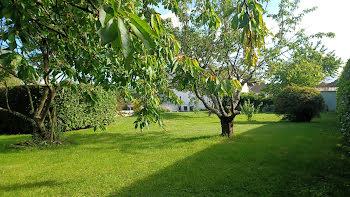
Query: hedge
<point>299,104</point>
<point>72,110</point>
<point>343,101</point>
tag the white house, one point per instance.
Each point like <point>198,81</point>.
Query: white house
<point>185,97</point>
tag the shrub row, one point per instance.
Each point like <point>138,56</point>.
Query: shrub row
<point>343,101</point>
<point>73,112</point>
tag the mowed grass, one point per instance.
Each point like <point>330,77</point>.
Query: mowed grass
<point>267,157</point>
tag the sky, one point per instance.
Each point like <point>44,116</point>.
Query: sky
<point>330,16</point>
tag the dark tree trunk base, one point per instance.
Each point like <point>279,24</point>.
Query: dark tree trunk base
<point>227,126</point>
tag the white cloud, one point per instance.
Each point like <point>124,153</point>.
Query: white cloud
<point>174,19</point>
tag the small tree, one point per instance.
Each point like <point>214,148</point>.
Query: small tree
<point>249,109</point>
<point>299,104</point>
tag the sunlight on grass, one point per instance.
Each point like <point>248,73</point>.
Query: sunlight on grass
<point>186,158</point>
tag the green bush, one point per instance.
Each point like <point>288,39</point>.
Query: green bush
<point>343,101</point>
<point>73,112</point>
<point>299,104</point>
<point>249,109</point>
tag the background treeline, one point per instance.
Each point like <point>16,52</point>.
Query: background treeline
<point>74,109</point>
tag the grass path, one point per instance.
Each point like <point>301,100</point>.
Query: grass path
<point>266,158</point>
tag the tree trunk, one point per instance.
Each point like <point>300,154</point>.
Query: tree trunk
<point>227,126</point>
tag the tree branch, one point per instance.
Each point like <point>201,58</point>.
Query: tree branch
<point>220,105</point>
<point>89,1</point>
<point>86,9</point>
<point>7,97</point>
<point>50,28</point>
<point>14,74</point>
<point>205,103</point>
<point>30,99</point>
<point>24,117</point>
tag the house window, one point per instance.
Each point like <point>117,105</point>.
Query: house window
<point>179,108</point>
<point>185,108</point>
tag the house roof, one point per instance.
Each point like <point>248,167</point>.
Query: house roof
<point>331,84</point>
<point>257,88</point>
<point>327,87</point>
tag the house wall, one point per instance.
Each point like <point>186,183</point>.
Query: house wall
<point>330,98</point>
<point>185,97</point>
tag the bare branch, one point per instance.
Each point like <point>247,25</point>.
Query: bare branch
<point>7,96</point>
<point>204,102</point>
<point>50,28</point>
<point>86,9</point>
<point>48,104</point>
<point>42,103</point>
<point>24,117</point>
<point>221,107</point>
<point>30,99</point>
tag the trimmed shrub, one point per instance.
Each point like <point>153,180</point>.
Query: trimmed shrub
<point>343,101</point>
<point>73,112</point>
<point>299,104</point>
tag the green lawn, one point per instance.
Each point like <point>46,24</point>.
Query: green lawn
<point>267,157</point>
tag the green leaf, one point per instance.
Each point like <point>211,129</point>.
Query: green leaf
<point>108,33</point>
<point>154,24</point>
<point>125,39</point>
<point>234,22</point>
<point>196,64</point>
<point>106,13</point>
<point>237,84</point>
<point>139,23</point>
<point>229,12</point>
<point>243,20</point>
<point>260,7</point>
<point>144,37</point>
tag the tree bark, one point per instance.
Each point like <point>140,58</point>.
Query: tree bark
<point>227,126</point>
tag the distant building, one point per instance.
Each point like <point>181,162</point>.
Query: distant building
<point>256,87</point>
<point>185,97</point>
<point>329,94</point>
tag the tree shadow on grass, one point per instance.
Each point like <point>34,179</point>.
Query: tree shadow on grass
<point>133,143</point>
<point>260,162</point>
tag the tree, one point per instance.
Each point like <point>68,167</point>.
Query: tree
<point>117,44</point>
<point>305,60</point>
<point>225,60</point>
<point>53,43</point>
<point>222,54</point>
